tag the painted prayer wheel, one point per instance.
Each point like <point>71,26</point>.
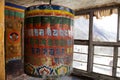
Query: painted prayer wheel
<point>48,41</point>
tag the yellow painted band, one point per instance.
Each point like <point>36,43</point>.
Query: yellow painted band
<point>16,9</point>
<point>49,11</point>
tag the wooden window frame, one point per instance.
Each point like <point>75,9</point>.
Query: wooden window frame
<point>90,43</point>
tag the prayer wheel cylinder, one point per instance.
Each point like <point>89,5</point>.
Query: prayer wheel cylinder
<point>48,41</point>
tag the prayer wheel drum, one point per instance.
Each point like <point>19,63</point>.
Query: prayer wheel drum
<point>48,40</point>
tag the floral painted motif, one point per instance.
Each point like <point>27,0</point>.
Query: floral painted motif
<point>29,69</point>
<point>62,70</point>
<point>45,70</point>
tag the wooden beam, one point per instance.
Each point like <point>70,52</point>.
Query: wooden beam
<point>84,11</point>
<point>115,58</point>
<point>81,42</point>
<point>91,47</point>
<point>112,44</point>
<point>2,55</point>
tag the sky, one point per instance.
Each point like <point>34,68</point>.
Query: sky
<point>108,23</point>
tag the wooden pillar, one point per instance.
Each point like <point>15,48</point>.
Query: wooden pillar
<point>2,54</point>
<point>91,47</point>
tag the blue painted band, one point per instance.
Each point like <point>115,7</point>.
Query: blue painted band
<point>49,7</point>
<point>14,5</point>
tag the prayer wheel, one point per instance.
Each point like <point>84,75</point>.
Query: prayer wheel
<point>48,41</point>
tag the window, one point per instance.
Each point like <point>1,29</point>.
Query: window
<point>103,60</point>
<point>105,26</point>
<point>81,32</point>
<point>102,69</point>
<point>118,63</point>
<point>81,27</point>
<point>118,72</point>
<point>80,57</point>
<point>97,54</point>
<point>79,65</point>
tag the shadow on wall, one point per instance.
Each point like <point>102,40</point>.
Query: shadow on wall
<point>14,69</point>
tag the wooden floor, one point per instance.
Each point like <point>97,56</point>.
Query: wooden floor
<point>26,77</point>
<point>14,70</point>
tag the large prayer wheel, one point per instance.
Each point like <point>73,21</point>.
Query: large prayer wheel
<point>48,41</point>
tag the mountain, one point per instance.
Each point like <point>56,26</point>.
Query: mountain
<point>81,26</point>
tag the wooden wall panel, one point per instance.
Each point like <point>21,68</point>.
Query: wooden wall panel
<point>2,56</point>
<point>14,18</point>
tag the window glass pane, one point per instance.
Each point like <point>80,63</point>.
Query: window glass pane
<point>119,51</point>
<point>103,60</point>
<point>118,72</point>
<point>80,65</point>
<point>81,48</point>
<point>80,57</point>
<point>118,62</point>
<point>102,69</point>
<point>100,50</point>
<point>81,27</point>
<point>105,26</point>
